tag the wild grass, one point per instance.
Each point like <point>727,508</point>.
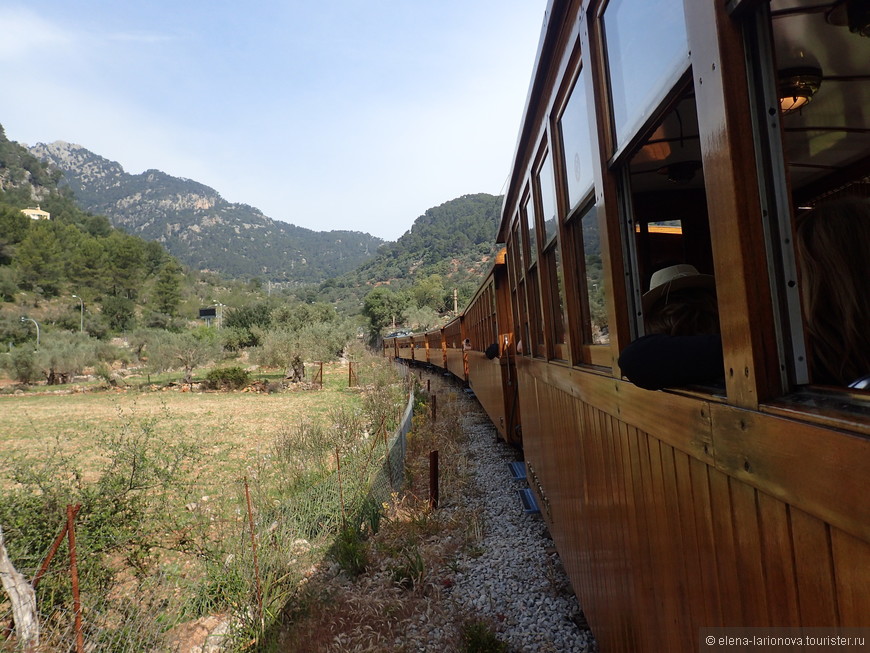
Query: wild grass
<point>400,596</point>
<point>162,477</point>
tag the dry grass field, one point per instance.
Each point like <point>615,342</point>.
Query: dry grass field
<point>230,429</point>
<point>162,476</point>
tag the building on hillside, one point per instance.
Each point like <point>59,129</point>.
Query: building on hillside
<point>36,214</point>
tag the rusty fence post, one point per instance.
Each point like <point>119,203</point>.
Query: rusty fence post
<point>254,548</point>
<point>74,575</point>
<point>433,480</point>
<point>434,406</point>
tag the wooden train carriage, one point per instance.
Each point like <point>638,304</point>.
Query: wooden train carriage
<point>743,504</point>
<point>390,347</point>
<point>418,347</point>
<point>488,323</point>
<point>405,345</point>
<point>453,351</point>
<point>435,347</point>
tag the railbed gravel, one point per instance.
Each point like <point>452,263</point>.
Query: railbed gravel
<point>514,580</point>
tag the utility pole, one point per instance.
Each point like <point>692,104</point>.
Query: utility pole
<point>455,301</point>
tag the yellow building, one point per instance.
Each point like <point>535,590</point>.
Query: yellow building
<point>36,214</point>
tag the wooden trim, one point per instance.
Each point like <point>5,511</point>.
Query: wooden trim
<point>736,222</point>
<point>606,189</point>
<point>821,471</point>
<point>681,422</point>
<point>816,469</point>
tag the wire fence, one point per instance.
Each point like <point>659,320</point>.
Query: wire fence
<point>225,563</point>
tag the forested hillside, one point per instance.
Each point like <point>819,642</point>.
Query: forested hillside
<point>76,253</point>
<point>451,239</point>
<point>412,281</point>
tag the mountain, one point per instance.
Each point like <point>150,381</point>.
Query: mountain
<point>450,246</point>
<point>199,227</point>
<point>455,237</point>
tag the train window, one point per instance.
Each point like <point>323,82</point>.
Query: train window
<point>532,284</point>
<point>529,213</point>
<point>576,144</point>
<point>516,270</point>
<point>592,328</point>
<point>664,195</point>
<point>821,83</point>
<point>547,188</point>
<point>643,64</point>
<point>536,323</point>
<point>551,264</point>
<point>582,250</point>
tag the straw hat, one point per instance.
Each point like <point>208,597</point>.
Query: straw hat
<point>674,278</point>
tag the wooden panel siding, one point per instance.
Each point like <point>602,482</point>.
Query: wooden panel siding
<point>455,363</point>
<point>485,378</point>
<point>660,537</point>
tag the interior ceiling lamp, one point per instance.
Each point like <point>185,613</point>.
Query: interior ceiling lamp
<point>797,87</point>
<point>854,13</point>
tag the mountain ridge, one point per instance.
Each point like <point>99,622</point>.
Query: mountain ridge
<point>199,227</point>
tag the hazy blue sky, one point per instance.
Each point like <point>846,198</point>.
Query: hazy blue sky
<point>330,115</point>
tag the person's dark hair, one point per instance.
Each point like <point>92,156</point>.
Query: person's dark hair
<point>686,312</point>
<point>832,243</point>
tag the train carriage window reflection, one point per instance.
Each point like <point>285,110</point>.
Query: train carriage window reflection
<point>535,320</point>
<point>643,64</point>
<point>518,287</point>
<point>547,187</point>
<point>576,144</point>
<point>529,214</point>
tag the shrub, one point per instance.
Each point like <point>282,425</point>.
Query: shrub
<point>22,363</point>
<point>349,551</point>
<point>228,378</point>
<point>477,637</point>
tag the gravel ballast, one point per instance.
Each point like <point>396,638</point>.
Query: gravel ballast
<point>514,580</point>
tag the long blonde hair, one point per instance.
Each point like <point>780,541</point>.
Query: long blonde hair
<point>833,246</point>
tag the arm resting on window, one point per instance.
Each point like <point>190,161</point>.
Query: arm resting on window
<point>660,361</point>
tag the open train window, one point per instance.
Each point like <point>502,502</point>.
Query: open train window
<point>666,224</point>
<point>814,77</point>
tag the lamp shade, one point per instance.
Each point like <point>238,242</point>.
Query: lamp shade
<point>797,87</point>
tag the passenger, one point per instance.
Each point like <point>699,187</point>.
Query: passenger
<point>682,345</point>
<point>833,243</point>
<point>491,351</point>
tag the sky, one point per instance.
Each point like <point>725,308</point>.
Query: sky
<point>357,115</point>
